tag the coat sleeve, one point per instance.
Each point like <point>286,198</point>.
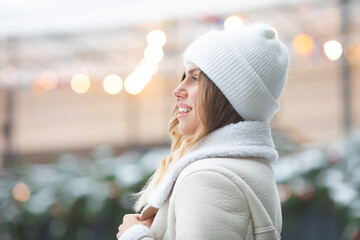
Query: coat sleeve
<point>208,205</point>
<point>137,232</point>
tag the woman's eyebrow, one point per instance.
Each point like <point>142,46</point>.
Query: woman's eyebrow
<point>191,71</point>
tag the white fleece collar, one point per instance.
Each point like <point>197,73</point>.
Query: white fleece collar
<point>239,140</point>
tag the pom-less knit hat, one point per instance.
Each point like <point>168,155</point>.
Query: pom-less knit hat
<point>249,66</point>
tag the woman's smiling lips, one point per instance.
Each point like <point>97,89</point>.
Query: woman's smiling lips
<point>183,106</point>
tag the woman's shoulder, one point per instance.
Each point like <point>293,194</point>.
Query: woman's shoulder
<point>209,185</point>
<point>249,169</point>
<point>249,175</point>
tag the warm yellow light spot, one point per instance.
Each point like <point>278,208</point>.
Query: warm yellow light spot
<point>21,192</point>
<point>143,74</point>
<point>153,54</point>
<point>233,23</point>
<point>357,51</point>
<point>352,53</point>
<point>333,50</point>
<point>48,80</point>
<point>147,65</point>
<point>113,84</point>
<point>136,81</point>
<point>303,44</point>
<point>156,38</point>
<point>284,192</point>
<point>131,86</point>
<point>80,83</point>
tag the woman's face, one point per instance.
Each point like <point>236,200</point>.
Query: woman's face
<point>187,94</point>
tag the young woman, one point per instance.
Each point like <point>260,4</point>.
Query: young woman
<point>217,182</point>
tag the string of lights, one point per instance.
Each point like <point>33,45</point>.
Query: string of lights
<point>303,44</point>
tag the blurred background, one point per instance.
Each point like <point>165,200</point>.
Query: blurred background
<point>86,96</point>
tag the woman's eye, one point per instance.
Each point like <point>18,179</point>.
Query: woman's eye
<point>183,77</point>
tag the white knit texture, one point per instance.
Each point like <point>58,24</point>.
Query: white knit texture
<point>249,66</point>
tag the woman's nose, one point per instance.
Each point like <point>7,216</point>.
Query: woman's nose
<point>180,92</point>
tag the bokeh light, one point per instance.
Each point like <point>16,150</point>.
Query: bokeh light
<point>131,86</point>
<point>144,71</point>
<point>284,192</point>
<point>153,54</point>
<point>156,38</point>
<point>352,53</point>
<point>137,81</point>
<point>357,51</point>
<point>21,192</point>
<point>48,80</point>
<point>58,209</point>
<point>302,189</point>
<point>113,84</point>
<point>8,75</point>
<point>233,23</point>
<point>333,50</point>
<point>147,65</point>
<point>303,44</point>
<point>80,83</point>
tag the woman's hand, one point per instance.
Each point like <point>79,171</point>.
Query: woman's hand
<point>130,220</point>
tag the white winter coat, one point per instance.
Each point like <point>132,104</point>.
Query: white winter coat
<point>224,188</point>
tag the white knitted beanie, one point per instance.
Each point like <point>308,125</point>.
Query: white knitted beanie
<point>249,66</point>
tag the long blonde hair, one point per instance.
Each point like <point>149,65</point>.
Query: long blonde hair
<point>214,111</point>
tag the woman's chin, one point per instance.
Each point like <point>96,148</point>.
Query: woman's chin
<point>188,126</point>
<point>184,131</point>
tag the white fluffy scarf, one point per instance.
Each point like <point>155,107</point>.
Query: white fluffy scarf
<point>240,140</point>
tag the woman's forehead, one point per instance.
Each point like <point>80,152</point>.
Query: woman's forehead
<point>191,68</point>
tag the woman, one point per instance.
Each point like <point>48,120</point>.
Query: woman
<point>217,182</point>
